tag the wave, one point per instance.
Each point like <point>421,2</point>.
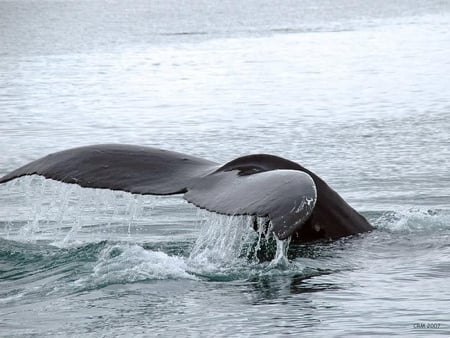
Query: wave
<point>413,220</point>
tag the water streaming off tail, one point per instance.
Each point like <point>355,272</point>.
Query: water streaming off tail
<point>66,215</point>
<point>227,244</point>
<point>222,239</point>
<point>46,210</point>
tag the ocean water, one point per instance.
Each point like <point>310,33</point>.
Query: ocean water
<point>357,91</point>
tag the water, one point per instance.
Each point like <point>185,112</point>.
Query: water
<point>356,91</point>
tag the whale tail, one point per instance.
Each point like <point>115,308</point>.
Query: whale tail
<point>258,185</point>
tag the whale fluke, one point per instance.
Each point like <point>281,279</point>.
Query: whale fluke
<point>295,200</point>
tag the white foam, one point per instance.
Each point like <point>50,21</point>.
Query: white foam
<point>414,220</point>
<point>119,264</point>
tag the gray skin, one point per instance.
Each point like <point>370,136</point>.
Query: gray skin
<point>297,202</point>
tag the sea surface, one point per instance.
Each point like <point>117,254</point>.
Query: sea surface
<point>357,91</point>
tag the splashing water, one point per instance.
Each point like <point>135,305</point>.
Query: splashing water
<point>69,216</point>
<point>226,249</point>
<point>128,263</point>
<point>229,243</point>
<point>281,259</point>
<point>222,239</point>
<point>413,220</point>
<point>66,214</point>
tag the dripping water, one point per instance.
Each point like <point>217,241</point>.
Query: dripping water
<point>66,215</point>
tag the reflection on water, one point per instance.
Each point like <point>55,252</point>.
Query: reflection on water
<point>273,287</point>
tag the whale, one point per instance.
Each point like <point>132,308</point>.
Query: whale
<point>296,204</point>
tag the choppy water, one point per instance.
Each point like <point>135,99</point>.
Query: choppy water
<point>357,91</point>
